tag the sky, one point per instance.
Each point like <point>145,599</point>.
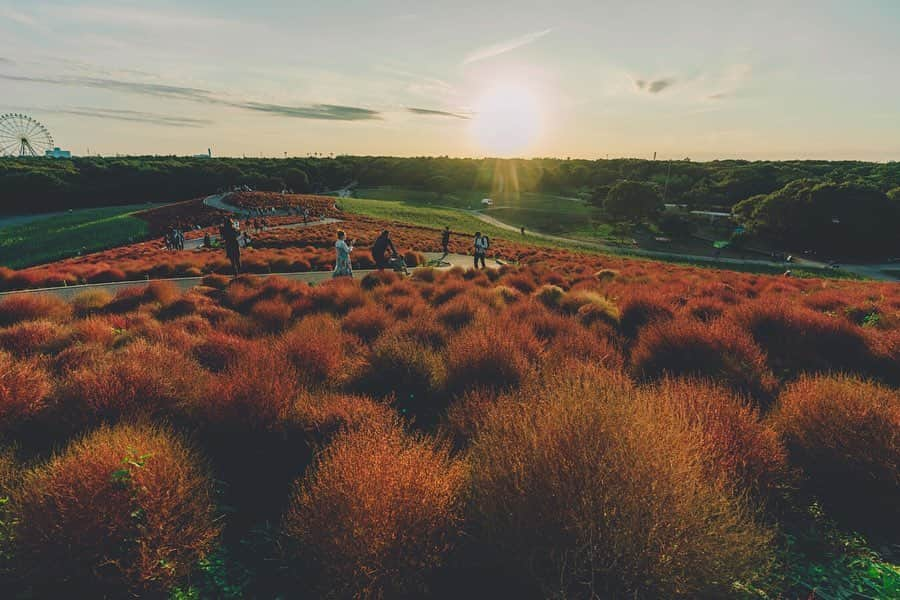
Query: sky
<point>806,79</point>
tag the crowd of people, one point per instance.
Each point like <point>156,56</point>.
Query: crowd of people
<point>384,253</point>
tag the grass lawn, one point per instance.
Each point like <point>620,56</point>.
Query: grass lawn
<point>62,236</point>
<point>393,210</point>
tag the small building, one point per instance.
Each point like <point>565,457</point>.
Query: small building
<point>57,153</point>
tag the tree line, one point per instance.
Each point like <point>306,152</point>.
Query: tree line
<point>784,200</point>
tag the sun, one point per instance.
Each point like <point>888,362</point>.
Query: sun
<point>507,119</point>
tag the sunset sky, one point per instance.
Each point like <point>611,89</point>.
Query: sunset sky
<point>698,78</point>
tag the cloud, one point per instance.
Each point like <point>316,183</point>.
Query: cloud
<point>436,113</point>
<point>330,112</point>
<point>503,47</point>
<point>133,116</point>
<point>654,86</point>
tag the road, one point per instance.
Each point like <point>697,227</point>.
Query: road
<point>873,271</point>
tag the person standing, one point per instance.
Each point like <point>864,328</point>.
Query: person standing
<point>380,247</point>
<point>481,247</point>
<point>230,233</point>
<point>342,266</point>
<point>445,241</point>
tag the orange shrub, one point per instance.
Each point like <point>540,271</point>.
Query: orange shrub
<point>377,512</point>
<point>256,392</point>
<point>366,322</point>
<point>141,378</point>
<point>319,350</point>
<point>32,307</point>
<point>90,301</point>
<point>217,350</point>
<point>843,433</point>
<point>413,373</point>
<point>580,485</point>
<point>121,512</point>
<point>736,443</point>
<point>639,311</point>
<point>273,315</point>
<point>25,386</point>
<point>490,355</point>
<point>32,337</point>
<point>797,339</point>
<point>720,351</point>
<point>457,313</point>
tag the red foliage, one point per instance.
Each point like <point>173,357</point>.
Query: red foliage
<point>720,351</point>
<point>122,512</point>
<point>31,307</point>
<point>25,386</point>
<point>380,508</point>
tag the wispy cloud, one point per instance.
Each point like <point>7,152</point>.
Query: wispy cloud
<point>505,46</point>
<point>653,86</point>
<point>436,113</point>
<point>134,116</point>
<point>329,112</point>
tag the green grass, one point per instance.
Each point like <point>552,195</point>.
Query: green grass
<point>392,210</point>
<point>63,236</point>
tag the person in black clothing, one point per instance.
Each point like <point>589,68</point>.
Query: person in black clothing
<point>380,247</point>
<point>230,235</point>
<point>445,241</point>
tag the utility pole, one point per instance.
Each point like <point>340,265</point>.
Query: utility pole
<point>666,186</point>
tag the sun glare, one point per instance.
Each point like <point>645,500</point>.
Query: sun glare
<point>507,119</point>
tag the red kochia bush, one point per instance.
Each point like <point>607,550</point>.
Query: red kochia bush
<point>720,351</point>
<point>24,388</point>
<point>366,322</point>
<point>579,484</point>
<point>797,339</point>
<point>31,307</point>
<point>737,444</point>
<point>843,433</point>
<point>492,356</point>
<point>319,349</point>
<point>125,511</point>
<point>377,512</point>
<point>639,311</point>
<point>32,337</point>
<point>141,378</point>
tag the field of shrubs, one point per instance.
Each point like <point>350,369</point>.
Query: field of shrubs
<point>571,426</point>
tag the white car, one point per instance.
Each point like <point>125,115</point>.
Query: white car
<point>487,202</point>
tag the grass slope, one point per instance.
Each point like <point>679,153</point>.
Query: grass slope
<point>66,235</point>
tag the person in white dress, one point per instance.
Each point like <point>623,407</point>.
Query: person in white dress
<point>342,266</point>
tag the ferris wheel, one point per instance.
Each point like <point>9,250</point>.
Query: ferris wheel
<point>20,135</point>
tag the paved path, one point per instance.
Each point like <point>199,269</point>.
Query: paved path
<point>871,271</point>
<point>186,283</point>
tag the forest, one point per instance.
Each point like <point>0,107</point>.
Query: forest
<point>786,201</point>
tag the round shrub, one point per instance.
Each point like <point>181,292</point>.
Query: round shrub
<point>639,311</point>
<point>123,511</point>
<point>736,442</point>
<point>550,296</point>
<point>843,433</point>
<point>273,315</point>
<point>32,307</point>
<point>32,337</point>
<point>141,378</point>
<point>377,512</point>
<point>490,356</point>
<point>90,301</point>
<point>319,350</point>
<point>410,371</point>
<point>366,322</point>
<point>25,386</point>
<point>720,351</point>
<point>579,486</point>
<point>797,339</point>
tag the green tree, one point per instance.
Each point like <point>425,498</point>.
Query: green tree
<point>676,225</point>
<point>633,202</point>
